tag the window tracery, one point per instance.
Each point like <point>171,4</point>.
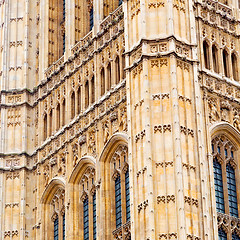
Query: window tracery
<point>120,183</point>
<point>57,213</point>
<point>88,204</point>
<point>226,195</point>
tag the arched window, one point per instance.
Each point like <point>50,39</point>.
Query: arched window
<point>58,116</point>
<point>120,177</point>
<point>234,66</point>
<point>225,63</point>
<point>206,55</point>
<point>85,219</point>
<point>86,94</point>
<point>215,59</point>
<point>120,2</point>
<point>221,234</point>
<point>56,228</point>
<point>224,176</point>
<point>123,66</point>
<point>45,127</point>
<point>232,191</point>
<point>50,122</point>
<point>235,237</point>
<point>117,70</point>
<point>91,18</point>
<point>79,100</point>
<point>218,186</point>
<point>72,105</point>
<point>63,112</point>
<point>109,82</point>
<point>102,81</point>
<point>93,90</point>
<point>88,214</point>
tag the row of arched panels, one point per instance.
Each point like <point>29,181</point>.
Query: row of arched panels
<point>87,200</point>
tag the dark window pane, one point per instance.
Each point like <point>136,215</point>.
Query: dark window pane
<point>127,196</point>
<point>85,220</point>
<point>118,204</point>
<point>217,168</point>
<point>56,229</point>
<point>221,234</point>
<point>232,191</point>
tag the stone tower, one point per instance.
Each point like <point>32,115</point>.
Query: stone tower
<point>119,119</point>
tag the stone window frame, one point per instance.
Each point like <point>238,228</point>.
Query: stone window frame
<point>229,224</point>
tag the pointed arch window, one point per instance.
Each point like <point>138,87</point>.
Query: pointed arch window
<point>79,100</point>
<point>109,74</point>
<point>232,191</point>
<point>234,66</point>
<point>225,63</point>
<point>50,122</point>
<point>225,176</point>
<point>86,94</point>
<point>102,81</point>
<point>58,116</point>
<point>117,70</point>
<point>206,54</point>
<point>45,127</point>
<point>63,111</point>
<point>56,229</point>
<point>88,213</point>
<point>221,234</point>
<point>120,2</point>
<point>120,184</point>
<point>72,105</point>
<point>92,90</point>
<point>215,59</point>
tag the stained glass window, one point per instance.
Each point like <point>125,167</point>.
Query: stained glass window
<point>235,237</point>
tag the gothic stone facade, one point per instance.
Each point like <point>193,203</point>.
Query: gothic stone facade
<point>119,119</point>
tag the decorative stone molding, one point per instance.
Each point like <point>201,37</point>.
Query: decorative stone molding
<point>166,199</point>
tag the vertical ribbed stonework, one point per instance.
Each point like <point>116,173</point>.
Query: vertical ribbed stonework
<point>165,124</point>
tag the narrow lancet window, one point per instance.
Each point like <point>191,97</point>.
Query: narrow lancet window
<point>218,186</point>
<point>118,204</point>
<point>206,55</point>
<point>225,63</point>
<point>56,229</point>
<point>232,191</point>
<point>234,66</point>
<point>215,59</point>
<point>85,219</point>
